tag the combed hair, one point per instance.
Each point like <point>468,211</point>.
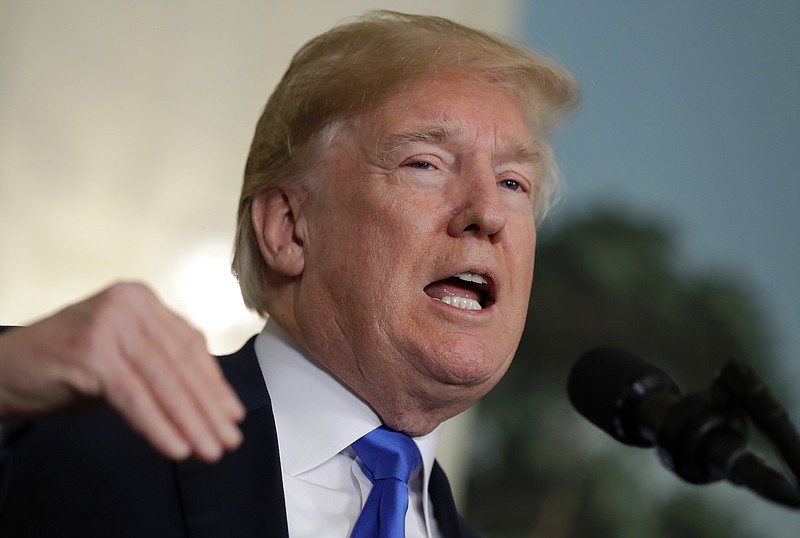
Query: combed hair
<point>356,67</point>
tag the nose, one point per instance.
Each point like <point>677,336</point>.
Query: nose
<point>479,209</point>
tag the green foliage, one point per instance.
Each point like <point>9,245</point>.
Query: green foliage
<point>538,469</point>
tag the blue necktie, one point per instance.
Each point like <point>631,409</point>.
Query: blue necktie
<point>388,458</point>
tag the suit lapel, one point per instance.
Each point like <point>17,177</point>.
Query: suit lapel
<point>242,494</point>
<point>444,507</point>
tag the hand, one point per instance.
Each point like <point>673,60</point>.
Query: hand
<point>123,346</point>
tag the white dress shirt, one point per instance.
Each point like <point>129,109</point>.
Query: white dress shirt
<point>317,419</point>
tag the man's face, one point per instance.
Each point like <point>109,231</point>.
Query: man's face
<point>419,250</point>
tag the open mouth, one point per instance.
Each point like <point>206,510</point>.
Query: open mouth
<point>467,291</point>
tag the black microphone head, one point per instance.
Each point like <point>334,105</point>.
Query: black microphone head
<point>608,385</point>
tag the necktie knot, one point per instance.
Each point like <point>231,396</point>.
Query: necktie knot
<point>388,459</point>
<point>386,453</point>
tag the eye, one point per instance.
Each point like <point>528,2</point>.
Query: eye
<point>420,165</point>
<point>511,184</point>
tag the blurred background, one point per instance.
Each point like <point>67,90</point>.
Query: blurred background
<point>124,127</point>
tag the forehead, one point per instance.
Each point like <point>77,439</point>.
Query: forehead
<point>449,107</point>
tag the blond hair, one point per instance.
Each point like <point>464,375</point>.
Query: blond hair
<point>356,67</point>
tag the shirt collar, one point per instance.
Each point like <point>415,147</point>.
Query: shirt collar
<point>316,416</point>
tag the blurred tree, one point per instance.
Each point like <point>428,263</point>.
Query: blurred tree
<point>538,469</point>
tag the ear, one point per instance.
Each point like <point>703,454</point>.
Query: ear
<point>275,222</point>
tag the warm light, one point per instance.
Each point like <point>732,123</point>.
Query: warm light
<point>207,292</point>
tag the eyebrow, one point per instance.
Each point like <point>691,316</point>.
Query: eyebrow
<point>526,150</point>
<point>521,149</point>
<point>435,134</point>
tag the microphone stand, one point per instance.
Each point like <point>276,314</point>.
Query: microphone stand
<point>702,437</point>
<point>740,385</point>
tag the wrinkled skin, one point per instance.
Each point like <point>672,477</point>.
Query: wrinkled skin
<point>435,182</point>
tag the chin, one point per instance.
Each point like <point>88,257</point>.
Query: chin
<point>468,368</point>
<point>445,383</point>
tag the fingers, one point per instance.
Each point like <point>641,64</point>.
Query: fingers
<point>124,346</point>
<point>144,414</point>
<point>187,386</point>
<point>170,389</point>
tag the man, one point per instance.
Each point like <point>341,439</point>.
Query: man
<point>387,226</point>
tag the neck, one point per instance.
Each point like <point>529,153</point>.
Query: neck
<point>415,406</point>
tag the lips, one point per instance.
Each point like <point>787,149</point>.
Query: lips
<point>466,290</point>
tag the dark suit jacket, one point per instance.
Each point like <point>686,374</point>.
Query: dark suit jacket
<point>91,476</point>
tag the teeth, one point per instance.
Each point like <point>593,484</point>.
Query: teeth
<point>471,277</point>
<point>461,302</point>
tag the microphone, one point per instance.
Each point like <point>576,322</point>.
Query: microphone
<point>701,437</point>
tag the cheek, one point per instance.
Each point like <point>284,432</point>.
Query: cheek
<point>403,220</point>
<point>372,238</point>
<point>522,260</point>
<point>363,257</point>
<point>524,240</point>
